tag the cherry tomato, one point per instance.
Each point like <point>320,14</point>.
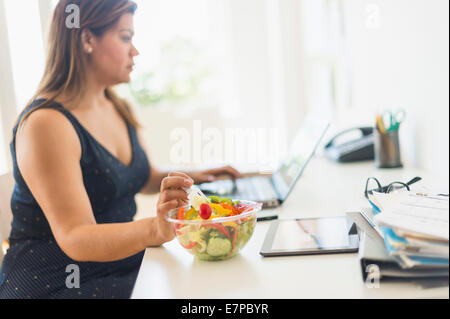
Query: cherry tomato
<point>190,246</point>
<point>205,211</point>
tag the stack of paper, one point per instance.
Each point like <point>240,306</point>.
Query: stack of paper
<point>415,228</point>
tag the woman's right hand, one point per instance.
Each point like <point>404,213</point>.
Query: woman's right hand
<point>172,196</point>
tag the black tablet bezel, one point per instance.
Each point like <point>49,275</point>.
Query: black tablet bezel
<point>267,250</point>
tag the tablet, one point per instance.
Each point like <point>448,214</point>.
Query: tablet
<point>330,235</point>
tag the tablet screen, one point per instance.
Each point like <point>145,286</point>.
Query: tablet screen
<point>311,234</point>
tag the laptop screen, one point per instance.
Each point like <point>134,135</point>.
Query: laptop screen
<point>303,148</point>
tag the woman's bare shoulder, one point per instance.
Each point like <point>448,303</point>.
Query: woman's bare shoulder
<point>48,130</point>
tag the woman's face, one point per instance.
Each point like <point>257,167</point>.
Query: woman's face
<point>112,58</point>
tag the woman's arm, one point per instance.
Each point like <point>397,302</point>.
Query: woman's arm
<point>49,159</point>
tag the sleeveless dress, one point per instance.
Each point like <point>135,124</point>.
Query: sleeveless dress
<point>35,266</point>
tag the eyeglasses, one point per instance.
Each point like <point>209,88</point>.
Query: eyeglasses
<point>373,185</point>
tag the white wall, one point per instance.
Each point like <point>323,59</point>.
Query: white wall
<point>400,57</point>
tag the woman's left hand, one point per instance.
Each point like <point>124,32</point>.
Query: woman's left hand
<point>211,174</point>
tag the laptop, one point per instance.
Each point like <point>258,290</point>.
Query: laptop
<point>273,190</point>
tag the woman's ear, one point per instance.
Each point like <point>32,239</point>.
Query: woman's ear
<point>88,41</point>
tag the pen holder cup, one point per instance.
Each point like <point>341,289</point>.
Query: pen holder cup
<point>387,149</point>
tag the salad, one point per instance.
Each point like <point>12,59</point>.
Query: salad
<point>214,228</point>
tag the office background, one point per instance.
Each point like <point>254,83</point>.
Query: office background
<point>262,65</point>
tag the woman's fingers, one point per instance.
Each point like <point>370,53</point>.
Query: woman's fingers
<point>171,194</point>
<point>173,182</point>
<point>225,170</point>
<point>232,171</point>
<point>173,174</point>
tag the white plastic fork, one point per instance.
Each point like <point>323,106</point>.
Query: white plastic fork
<point>195,191</point>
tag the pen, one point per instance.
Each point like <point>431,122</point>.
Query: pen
<point>380,124</point>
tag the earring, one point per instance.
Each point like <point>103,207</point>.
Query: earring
<point>89,50</point>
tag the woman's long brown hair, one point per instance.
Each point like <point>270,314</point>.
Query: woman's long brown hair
<point>66,62</point>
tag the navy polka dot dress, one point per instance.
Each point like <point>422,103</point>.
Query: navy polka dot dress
<point>35,266</point>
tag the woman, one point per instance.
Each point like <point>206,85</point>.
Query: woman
<point>79,161</point>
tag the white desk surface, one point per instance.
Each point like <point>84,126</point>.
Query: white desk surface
<point>325,189</point>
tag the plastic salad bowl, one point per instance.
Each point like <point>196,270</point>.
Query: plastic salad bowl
<point>215,238</point>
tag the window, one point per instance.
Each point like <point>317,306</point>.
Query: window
<point>22,63</point>
<point>185,55</point>
<point>26,47</point>
<point>185,78</point>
